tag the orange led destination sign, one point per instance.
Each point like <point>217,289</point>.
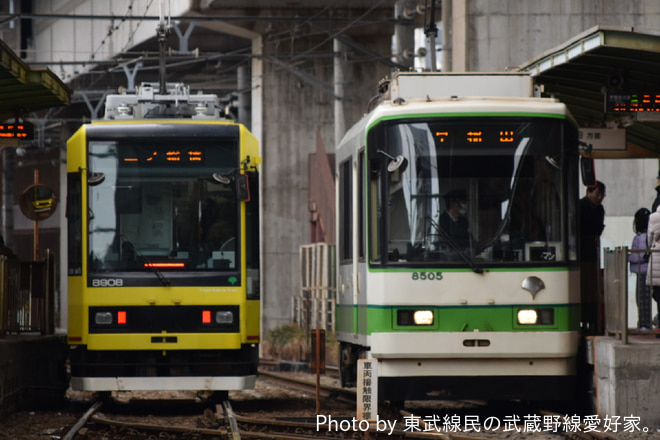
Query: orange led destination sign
<point>631,102</point>
<point>170,156</point>
<point>15,131</point>
<point>475,136</point>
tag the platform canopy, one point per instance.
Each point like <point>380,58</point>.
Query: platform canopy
<point>24,88</point>
<point>607,67</point>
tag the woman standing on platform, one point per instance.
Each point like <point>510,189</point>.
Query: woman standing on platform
<point>653,243</point>
<point>639,265</point>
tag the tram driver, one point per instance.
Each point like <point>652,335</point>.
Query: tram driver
<point>454,220</point>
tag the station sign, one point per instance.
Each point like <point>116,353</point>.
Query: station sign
<point>18,130</point>
<point>610,139</point>
<point>12,133</point>
<point>632,102</point>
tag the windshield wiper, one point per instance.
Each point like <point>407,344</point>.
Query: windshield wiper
<point>166,282</point>
<point>455,246</point>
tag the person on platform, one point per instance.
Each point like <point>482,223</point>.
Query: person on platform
<point>592,223</point>
<point>639,262</point>
<point>653,243</point>
<point>656,202</point>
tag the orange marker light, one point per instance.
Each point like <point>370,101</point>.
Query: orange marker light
<point>206,316</point>
<point>121,317</point>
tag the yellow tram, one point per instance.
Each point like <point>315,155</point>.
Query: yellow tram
<point>163,246</point>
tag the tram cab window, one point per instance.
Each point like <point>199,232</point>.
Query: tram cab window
<point>173,215</point>
<point>514,208</point>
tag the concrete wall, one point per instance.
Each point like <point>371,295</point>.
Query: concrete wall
<point>90,40</point>
<point>293,110</point>
<point>628,380</point>
<point>507,33</point>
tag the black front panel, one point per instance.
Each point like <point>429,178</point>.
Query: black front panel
<point>156,363</point>
<point>158,319</point>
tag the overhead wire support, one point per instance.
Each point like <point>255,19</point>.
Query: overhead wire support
<point>431,32</point>
<point>162,42</point>
<point>162,32</point>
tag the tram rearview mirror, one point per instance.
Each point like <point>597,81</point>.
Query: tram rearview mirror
<point>587,170</point>
<point>221,178</point>
<point>242,188</point>
<point>94,179</point>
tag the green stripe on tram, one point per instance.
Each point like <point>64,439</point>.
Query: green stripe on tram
<point>366,320</point>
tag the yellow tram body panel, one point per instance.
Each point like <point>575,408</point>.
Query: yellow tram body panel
<point>159,341</point>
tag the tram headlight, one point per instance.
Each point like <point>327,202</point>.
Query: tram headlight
<point>103,318</point>
<point>224,317</point>
<point>423,317</point>
<point>527,316</point>
<point>536,316</point>
<point>410,317</point>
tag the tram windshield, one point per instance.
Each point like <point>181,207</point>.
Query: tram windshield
<point>473,192</point>
<point>164,205</point>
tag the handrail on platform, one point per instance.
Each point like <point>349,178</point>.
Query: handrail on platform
<point>615,286</point>
<point>27,291</point>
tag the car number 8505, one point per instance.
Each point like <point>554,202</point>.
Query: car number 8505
<point>437,276</point>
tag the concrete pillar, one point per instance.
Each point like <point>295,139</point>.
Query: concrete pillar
<point>339,71</point>
<point>244,115</point>
<point>447,36</point>
<point>404,33</point>
<point>459,41</point>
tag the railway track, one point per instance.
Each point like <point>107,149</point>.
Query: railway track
<point>225,423</point>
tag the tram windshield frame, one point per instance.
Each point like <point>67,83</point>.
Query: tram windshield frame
<point>472,192</point>
<point>160,207</point>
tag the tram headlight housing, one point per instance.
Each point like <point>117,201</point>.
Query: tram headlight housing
<point>536,316</point>
<point>103,318</point>
<point>224,317</point>
<point>411,317</point>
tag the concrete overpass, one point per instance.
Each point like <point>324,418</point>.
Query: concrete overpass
<point>300,72</point>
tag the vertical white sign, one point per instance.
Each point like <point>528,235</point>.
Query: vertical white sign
<point>367,389</point>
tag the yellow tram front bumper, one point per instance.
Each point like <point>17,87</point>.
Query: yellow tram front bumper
<point>165,341</point>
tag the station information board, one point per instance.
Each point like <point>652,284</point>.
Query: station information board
<point>16,131</point>
<point>631,102</point>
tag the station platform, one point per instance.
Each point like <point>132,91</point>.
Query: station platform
<point>627,376</point>
<point>32,372</point>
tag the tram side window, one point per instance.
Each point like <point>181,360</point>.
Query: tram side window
<point>361,208</point>
<point>74,220</point>
<point>252,238</point>
<point>345,211</point>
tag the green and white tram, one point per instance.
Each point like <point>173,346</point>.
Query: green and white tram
<point>457,240</point>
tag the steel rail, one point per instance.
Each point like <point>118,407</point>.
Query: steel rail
<point>343,393</point>
<point>82,421</point>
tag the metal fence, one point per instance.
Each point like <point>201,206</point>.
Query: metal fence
<point>615,286</point>
<point>315,306</point>
<point>616,273</point>
<point>27,296</point>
